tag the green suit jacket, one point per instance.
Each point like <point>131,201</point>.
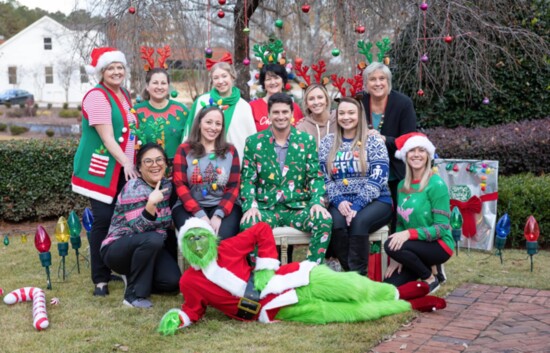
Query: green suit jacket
<point>262,181</point>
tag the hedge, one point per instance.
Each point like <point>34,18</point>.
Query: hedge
<point>519,147</point>
<point>36,185</point>
<point>36,179</point>
<point>522,196</point>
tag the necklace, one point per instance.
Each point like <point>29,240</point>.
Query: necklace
<point>381,123</point>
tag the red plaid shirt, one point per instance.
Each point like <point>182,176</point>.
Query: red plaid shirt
<point>182,175</point>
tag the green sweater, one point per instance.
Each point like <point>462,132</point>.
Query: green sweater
<point>426,213</point>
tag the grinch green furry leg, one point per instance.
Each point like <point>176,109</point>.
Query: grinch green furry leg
<point>321,312</point>
<point>331,286</point>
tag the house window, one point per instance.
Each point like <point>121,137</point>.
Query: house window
<point>47,44</point>
<point>49,74</point>
<point>12,75</point>
<point>83,75</point>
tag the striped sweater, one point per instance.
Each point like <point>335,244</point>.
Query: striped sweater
<point>130,216</point>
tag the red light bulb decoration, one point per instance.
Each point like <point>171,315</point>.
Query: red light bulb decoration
<point>360,29</point>
<point>221,2</point>
<point>305,8</point>
<point>531,233</point>
<point>42,243</point>
<point>221,14</point>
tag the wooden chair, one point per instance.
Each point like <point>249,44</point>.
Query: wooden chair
<point>285,236</point>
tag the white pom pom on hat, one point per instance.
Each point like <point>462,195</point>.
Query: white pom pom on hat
<point>407,142</point>
<point>103,57</point>
<point>191,223</point>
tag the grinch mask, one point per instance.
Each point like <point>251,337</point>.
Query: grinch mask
<point>199,246</point>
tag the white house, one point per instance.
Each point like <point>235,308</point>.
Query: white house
<point>43,59</point>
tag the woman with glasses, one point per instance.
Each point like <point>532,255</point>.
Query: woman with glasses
<point>134,246</point>
<point>207,176</point>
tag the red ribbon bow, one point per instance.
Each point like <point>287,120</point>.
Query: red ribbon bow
<point>468,209</point>
<point>225,58</point>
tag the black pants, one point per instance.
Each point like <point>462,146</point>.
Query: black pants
<point>102,212</point>
<point>230,223</point>
<point>392,184</point>
<point>351,243</point>
<point>146,263</point>
<point>417,258</point>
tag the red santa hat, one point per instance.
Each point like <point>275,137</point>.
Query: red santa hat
<point>407,142</point>
<point>103,57</point>
<point>194,222</point>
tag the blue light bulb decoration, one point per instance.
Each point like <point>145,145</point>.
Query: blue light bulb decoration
<point>87,221</point>
<point>502,231</point>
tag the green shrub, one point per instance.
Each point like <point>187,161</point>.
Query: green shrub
<point>69,113</point>
<point>22,105</point>
<point>519,147</point>
<point>65,105</point>
<point>49,106</point>
<point>50,132</point>
<point>3,127</point>
<point>16,113</point>
<point>36,179</point>
<point>8,105</point>
<point>521,196</point>
<point>18,130</point>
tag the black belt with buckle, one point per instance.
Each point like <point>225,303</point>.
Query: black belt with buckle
<point>249,305</point>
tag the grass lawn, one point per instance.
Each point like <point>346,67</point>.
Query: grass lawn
<point>83,323</point>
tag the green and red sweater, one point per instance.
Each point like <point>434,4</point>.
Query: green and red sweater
<point>426,214</point>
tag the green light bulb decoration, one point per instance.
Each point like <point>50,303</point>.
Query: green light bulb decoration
<point>456,225</point>
<point>75,228</point>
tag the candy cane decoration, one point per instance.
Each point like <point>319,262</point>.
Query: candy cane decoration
<point>38,297</point>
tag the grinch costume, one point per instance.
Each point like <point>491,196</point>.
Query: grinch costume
<point>220,276</point>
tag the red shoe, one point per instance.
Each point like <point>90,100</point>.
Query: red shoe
<point>428,303</point>
<point>413,289</point>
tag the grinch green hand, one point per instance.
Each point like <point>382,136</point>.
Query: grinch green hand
<point>261,278</point>
<point>170,322</point>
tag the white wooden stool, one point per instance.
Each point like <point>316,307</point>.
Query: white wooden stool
<point>285,236</point>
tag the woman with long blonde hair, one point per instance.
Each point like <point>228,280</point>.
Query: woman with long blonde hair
<point>355,165</point>
<point>423,235</point>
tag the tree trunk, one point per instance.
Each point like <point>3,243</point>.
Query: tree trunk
<point>241,44</point>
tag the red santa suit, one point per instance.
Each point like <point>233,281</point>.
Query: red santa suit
<point>223,282</point>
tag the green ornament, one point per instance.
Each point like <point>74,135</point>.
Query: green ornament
<point>6,240</point>
<point>449,166</point>
<point>335,52</point>
<point>174,94</point>
<point>279,23</point>
<point>212,156</point>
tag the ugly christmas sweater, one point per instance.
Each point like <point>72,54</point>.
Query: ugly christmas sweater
<point>426,213</point>
<point>163,126</point>
<point>347,182</point>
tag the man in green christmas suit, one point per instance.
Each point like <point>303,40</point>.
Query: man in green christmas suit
<point>281,183</point>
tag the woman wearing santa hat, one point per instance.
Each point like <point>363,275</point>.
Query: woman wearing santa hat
<point>423,234</point>
<point>104,160</point>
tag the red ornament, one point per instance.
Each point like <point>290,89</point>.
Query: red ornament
<point>221,14</point>
<point>221,2</point>
<point>257,76</point>
<point>246,61</point>
<point>132,10</point>
<point>288,87</point>
<point>305,8</point>
<point>298,61</point>
<point>448,39</point>
<point>420,92</point>
<point>455,168</point>
<point>360,29</point>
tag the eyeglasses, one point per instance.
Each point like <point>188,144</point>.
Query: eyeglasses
<point>148,162</point>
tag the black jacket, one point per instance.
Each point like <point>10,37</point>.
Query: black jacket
<point>399,119</point>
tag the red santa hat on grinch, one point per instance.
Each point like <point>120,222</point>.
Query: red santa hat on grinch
<point>407,142</point>
<point>103,57</point>
<point>191,223</point>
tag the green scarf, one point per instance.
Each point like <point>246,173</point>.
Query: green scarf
<point>230,101</point>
